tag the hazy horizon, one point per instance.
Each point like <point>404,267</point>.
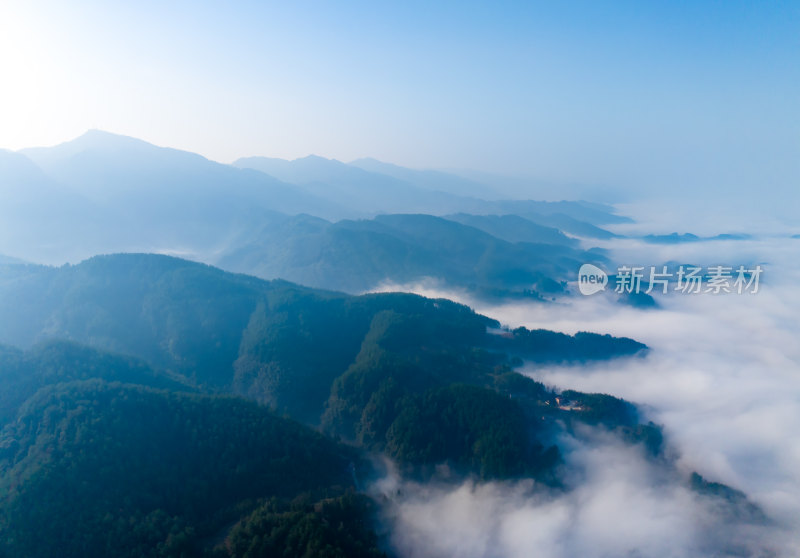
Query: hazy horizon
<point>665,210</point>
<point>629,97</point>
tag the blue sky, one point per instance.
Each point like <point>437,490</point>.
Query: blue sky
<point>645,95</point>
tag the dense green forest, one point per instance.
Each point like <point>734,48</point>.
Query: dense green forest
<point>273,341</point>
<point>338,527</point>
<point>151,408</point>
<point>104,469</point>
<point>23,373</point>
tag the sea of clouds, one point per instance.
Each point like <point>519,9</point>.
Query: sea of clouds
<point>722,378</point>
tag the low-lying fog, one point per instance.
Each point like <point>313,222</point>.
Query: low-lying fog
<point>722,377</point>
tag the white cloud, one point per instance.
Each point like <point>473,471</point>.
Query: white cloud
<point>723,377</point>
<point>622,505</point>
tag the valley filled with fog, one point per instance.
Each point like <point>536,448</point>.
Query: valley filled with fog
<point>722,375</point>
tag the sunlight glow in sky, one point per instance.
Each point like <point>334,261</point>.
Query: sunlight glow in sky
<point>654,95</point>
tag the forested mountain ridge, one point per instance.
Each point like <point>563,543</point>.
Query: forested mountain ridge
<point>362,367</point>
<point>225,331</point>
<point>178,449</point>
<point>358,255</point>
<point>23,373</point>
<point>91,468</point>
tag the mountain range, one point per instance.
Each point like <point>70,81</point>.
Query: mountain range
<point>103,193</point>
<point>153,406</point>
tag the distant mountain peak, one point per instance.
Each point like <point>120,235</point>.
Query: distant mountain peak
<point>318,162</point>
<point>96,141</point>
<point>100,139</point>
<point>98,133</point>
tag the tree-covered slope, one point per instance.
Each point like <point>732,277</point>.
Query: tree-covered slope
<point>23,373</point>
<point>98,469</point>
<point>426,395</point>
<point>273,341</point>
<point>331,528</point>
<point>355,256</point>
<point>513,228</point>
<point>363,367</point>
